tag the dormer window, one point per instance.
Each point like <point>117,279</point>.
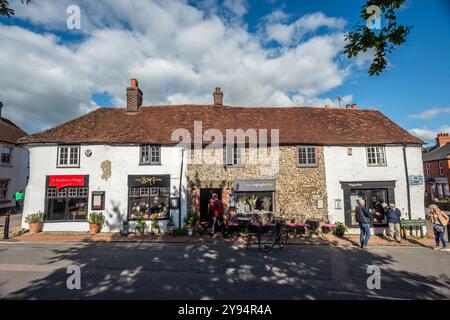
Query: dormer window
<point>68,156</point>
<point>150,155</point>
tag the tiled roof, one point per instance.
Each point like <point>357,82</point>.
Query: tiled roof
<point>440,153</point>
<point>155,124</point>
<point>9,132</point>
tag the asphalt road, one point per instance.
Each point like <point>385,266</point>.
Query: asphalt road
<point>219,271</point>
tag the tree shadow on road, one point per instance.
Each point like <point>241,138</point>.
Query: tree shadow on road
<point>224,271</point>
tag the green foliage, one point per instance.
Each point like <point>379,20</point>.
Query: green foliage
<point>96,218</point>
<point>5,10</point>
<point>154,222</point>
<point>340,228</point>
<point>35,217</point>
<point>180,232</point>
<point>390,35</point>
<point>190,219</point>
<point>140,222</point>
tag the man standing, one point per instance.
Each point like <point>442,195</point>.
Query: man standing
<point>19,196</point>
<point>393,218</point>
<point>362,216</point>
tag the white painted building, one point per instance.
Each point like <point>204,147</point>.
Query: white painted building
<point>377,174</point>
<point>13,162</point>
<point>107,169</point>
<point>80,167</point>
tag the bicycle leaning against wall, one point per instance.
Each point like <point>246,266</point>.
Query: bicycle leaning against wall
<point>278,235</point>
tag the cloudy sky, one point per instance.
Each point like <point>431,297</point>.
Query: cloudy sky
<point>265,53</point>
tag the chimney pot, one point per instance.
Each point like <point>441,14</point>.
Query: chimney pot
<point>353,106</point>
<point>347,106</point>
<point>134,97</point>
<point>218,97</point>
<point>1,107</point>
<point>442,139</point>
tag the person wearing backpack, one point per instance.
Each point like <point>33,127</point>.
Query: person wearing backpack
<point>439,220</point>
<point>362,216</point>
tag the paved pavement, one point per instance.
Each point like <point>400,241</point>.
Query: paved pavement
<point>16,221</point>
<point>219,271</point>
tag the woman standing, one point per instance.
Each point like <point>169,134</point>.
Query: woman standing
<point>439,219</point>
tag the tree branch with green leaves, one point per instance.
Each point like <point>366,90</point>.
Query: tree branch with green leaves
<point>391,35</point>
<point>5,9</point>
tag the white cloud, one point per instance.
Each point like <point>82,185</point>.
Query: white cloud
<point>178,52</point>
<point>430,113</point>
<point>288,34</point>
<point>429,135</point>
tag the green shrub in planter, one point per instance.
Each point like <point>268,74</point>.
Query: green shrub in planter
<point>37,217</point>
<point>96,218</point>
<point>340,229</point>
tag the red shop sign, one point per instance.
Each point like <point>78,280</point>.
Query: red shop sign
<point>66,181</point>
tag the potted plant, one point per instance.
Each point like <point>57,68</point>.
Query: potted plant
<point>140,225</point>
<point>35,221</point>
<point>95,221</point>
<point>252,202</point>
<point>170,226</point>
<point>190,221</point>
<point>155,228</point>
<point>340,229</point>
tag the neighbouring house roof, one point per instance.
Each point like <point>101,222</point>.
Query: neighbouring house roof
<point>440,153</point>
<point>9,132</point>
<point>155,124</point>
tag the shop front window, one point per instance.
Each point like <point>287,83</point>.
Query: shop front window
<point>247,202</point>
<point>67,204</point>
<point>147,201</point>
<point>374,198</point>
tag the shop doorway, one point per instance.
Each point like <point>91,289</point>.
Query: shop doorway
<point>205,195</point>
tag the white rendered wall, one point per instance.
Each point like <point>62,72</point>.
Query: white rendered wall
<point>339,166</point>
<point>124,161</point>
<point>17,173</point>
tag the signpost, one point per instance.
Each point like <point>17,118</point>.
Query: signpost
<point>413,223</point>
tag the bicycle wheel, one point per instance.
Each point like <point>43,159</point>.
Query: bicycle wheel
<point>283,238</point>
<point>267,241</point>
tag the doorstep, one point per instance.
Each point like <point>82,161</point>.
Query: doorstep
<point>348,240</point>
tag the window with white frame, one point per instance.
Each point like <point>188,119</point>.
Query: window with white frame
<point>376,156</point>
<point>427,169</point>
<point>4,189</point>
<point>441,168</point>
<point>234,155</point>
<point>150,154</point>
<point>6,155</point>
<point>307,156</point>
<point>69,156</point>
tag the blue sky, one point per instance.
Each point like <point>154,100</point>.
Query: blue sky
<point>260,52</point>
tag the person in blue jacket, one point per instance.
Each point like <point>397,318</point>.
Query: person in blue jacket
<point>363,215</point>
<point>393,215</point>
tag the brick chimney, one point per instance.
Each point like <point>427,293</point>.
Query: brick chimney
<point>218,97</point>
<point>134,97</point>
<point>353,106</point>
<point>442,139</point>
